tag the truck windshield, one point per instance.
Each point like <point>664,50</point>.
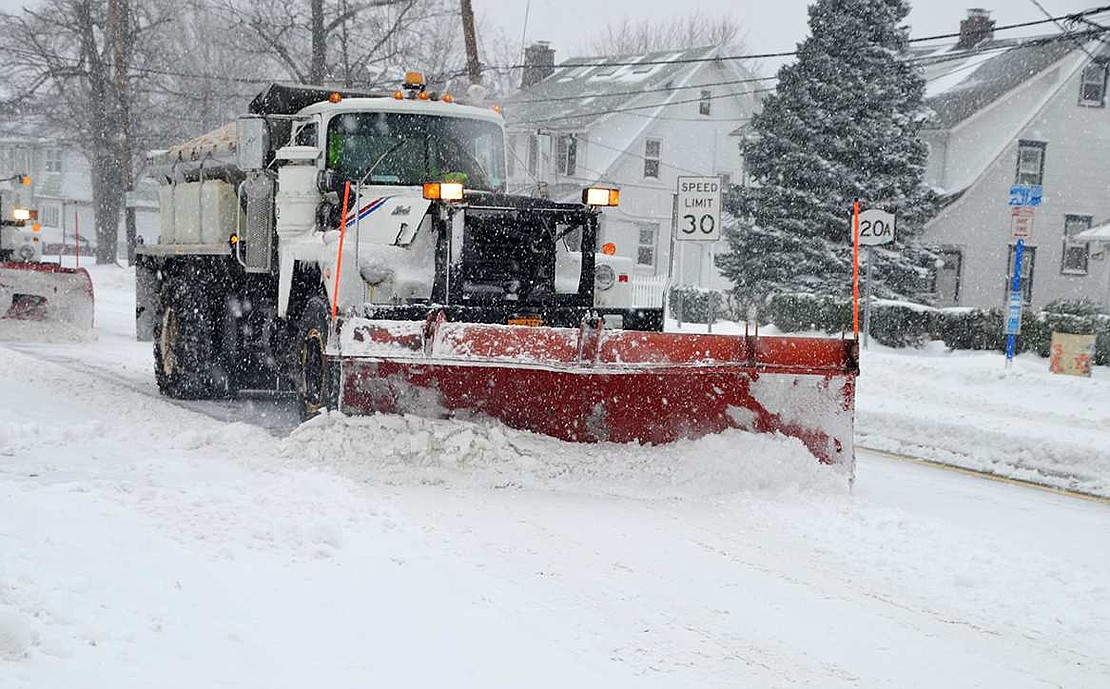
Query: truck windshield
<point>409,149</point>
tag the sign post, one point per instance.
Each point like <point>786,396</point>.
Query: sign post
<point>875,228</point>
<point>1023,199</point>
<point>698,218</point>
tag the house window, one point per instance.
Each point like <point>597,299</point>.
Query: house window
<point>1092,87</point>
<point>306,134</point>
<point>53,161</point>
<point>1028,258</point>
<point>50,215</point>
<point>946,279</point>
<point>1075,253</point>
<point>705,105</point>
<point>1030,163</point>
<point>606,70</point>
<point>533,156</point>
<point>652,152</point>
<point>645,250</point>
<point>566,154</point>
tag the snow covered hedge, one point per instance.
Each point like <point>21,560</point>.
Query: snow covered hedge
<point>906,324</point>
<point>694,304</point>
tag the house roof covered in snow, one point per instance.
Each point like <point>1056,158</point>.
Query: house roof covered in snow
<point>959,83</point>
<point>584,89</point>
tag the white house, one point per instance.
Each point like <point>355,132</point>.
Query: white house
<point>637,122</point>
<point>1018,111</point>
<point>61,189</point>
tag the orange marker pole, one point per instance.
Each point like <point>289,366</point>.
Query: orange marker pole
<point>855,268</point>
<point>339,258</point>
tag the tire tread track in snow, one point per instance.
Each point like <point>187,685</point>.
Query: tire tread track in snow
<point>279,418</point>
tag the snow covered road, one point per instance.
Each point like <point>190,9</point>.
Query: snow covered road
<point>143,543</point>
<point>147,545</point>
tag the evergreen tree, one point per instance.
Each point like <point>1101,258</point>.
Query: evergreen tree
<point>842,125</point>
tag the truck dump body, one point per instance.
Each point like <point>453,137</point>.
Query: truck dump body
<point>589,385</point>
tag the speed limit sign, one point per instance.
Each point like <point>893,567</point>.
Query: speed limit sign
<point>698,209</point>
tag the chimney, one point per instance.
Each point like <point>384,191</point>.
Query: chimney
<point>539,63</point>
<point>978,27</point>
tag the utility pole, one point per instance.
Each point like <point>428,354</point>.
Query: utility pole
<point>473,67</point>
<point>118,13</point>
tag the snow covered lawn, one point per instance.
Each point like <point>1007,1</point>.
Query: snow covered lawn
<point>151,544</point>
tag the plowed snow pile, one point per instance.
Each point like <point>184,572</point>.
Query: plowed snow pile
<point>407,449</point>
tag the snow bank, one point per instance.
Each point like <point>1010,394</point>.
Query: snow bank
<point>407,449</point>
<point>966,408</point>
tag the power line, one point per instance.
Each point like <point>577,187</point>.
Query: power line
<point>1075,16</point>
<point>914,60</point>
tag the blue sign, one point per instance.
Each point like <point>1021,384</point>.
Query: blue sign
<point>1026,195</point>
<point>1013,313</point>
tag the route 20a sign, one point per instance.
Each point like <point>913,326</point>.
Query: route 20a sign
<point>698,209</point>
<point>876,227</point>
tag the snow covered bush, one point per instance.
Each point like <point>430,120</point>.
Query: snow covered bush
<point>902,324</point>
<point>795,312</point>
<point>695,304</point>
<point>981,329</point>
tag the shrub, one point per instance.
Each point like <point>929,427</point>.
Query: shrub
<point>901,324</point>
<point>695,303</point>
<point>794,312</point>
<point>1074,307</point>
<point>964,328</point>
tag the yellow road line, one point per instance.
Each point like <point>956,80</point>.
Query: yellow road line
<point>1083,495</point>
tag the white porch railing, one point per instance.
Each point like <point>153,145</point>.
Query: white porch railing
<point>648,292</point>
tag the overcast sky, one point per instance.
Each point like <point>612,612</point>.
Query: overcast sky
<point>772,25</point>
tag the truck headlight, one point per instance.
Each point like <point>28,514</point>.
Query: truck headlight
<point>21,214</point>
<point>604,276</point>
<point>601,196</point>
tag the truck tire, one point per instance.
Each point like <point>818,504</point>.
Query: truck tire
<point>185,364</point>
<point>315,379</point>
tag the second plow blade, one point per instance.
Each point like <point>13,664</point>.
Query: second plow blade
<point>590,385</point>
<point>46,292</point>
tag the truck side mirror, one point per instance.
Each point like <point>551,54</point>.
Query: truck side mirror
<point>253,142</point>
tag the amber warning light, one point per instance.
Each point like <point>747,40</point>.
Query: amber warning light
<point>443,191</point>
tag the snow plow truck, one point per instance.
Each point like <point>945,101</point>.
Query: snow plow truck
<point>31,290</point>
<point>360,251</point>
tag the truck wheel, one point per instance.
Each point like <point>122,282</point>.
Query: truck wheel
<point>313,374</point>
<point>184,363</point>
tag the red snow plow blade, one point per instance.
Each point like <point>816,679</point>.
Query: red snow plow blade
<point>46,292</point>
<point>592,385</point>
